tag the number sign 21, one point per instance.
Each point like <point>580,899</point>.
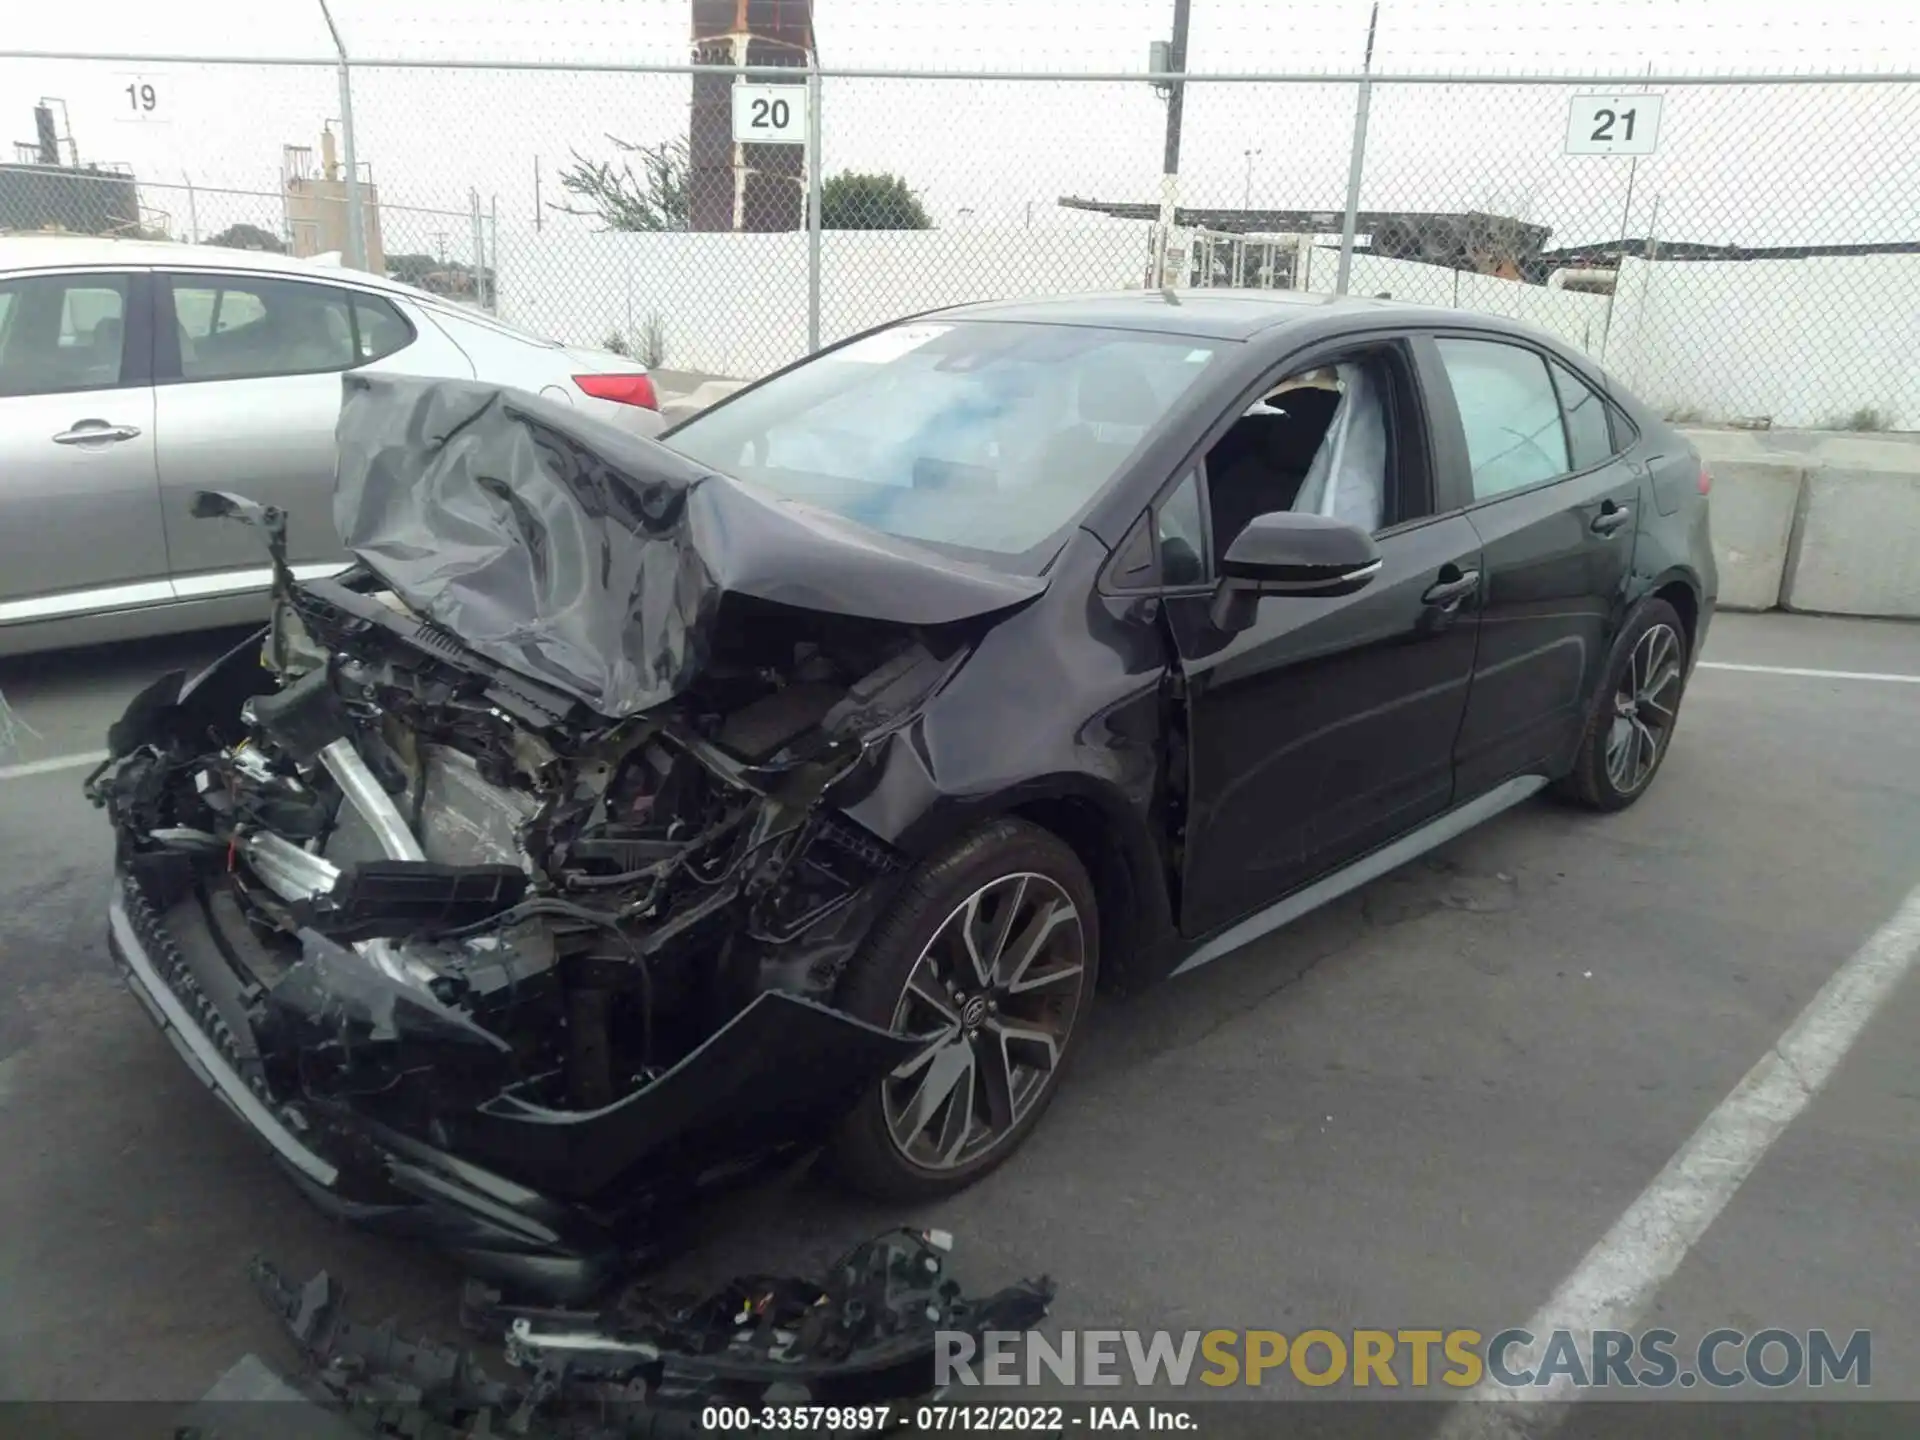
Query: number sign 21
<point>1613,124</point>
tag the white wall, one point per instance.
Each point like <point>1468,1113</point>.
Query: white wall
<point>737,304</point>
<point>1806,342</point>
<point>729,304</point>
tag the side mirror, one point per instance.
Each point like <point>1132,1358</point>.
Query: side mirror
<point>1284,553</point>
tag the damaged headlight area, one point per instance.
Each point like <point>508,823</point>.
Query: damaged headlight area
<point>480,960</point>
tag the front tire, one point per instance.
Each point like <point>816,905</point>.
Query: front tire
<point>1633,720</point>
<point>992,949</point>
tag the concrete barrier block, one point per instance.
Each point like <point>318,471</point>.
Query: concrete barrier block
<point>1752,519</point>
<point>1855,550</point>
<point>709,392</point>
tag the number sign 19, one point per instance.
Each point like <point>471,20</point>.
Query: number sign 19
<point>769,114</point>
<point>140,97</point>
<point>1613,124</point>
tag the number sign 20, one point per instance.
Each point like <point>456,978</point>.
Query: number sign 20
<point>769,114</point>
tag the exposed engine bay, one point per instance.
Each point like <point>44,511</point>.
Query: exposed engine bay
<point>392,841</point>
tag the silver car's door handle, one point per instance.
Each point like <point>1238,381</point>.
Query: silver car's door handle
<point>88,431</point>
<point>1610,518</point>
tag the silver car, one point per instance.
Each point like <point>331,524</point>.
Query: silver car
<point>133,374</point>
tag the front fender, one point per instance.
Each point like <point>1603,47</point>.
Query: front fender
<point>1112,829</point>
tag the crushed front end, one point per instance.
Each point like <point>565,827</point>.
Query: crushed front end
<point>483,965</point>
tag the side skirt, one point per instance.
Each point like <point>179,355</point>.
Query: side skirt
<point>1412,845</point>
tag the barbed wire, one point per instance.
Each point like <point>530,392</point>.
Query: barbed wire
<point>1427,37</point>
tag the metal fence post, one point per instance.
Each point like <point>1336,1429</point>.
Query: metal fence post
<point>356,218</point>
<point>813,205</point>
<point>479,250</point>
<point>1357,165</point>
<point>1165,275</point>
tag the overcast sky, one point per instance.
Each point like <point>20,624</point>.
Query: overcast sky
<point>1754,165</point>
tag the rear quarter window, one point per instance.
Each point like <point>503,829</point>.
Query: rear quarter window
<point>1589,424</point>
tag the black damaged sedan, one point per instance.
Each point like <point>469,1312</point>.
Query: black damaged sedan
<point>632,812</point>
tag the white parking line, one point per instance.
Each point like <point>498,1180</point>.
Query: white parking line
<point>1812,674</point>
<point>1611,1287</point>
<point>50,764</point>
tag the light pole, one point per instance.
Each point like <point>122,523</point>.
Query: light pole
<point>1246,201</point>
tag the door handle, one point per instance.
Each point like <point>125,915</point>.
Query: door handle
<point>87,431</point>
<point>1449,593</point>
<point>1610,518</point>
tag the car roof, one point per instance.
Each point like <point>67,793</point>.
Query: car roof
<point>55,251</point>
<point>1223,314</point>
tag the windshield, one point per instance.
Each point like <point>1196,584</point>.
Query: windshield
<point>988,437</point>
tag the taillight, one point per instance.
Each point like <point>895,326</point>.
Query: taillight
<point>621,389</point>
<point>1706,478</point>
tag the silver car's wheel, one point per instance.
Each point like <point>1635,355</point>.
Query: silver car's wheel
<point>998,989</point>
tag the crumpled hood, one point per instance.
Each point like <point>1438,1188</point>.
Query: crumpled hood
<point>596,560</point>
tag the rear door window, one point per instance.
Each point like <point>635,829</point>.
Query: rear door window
<point>239,328</point>
<point>1510,412</point>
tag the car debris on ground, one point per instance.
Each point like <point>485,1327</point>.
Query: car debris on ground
<point>858,1341</point>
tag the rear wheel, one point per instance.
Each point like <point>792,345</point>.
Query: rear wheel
<point>991,952</point>
<point>1631,727</point>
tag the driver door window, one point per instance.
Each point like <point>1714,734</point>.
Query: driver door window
<point>1315,443</point>
<point>62,333</point>
<point>1511,415</point>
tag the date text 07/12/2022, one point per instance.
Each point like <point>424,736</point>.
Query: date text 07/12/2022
<point>944,1418</point>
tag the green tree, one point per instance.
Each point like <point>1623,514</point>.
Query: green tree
<point>652,196</point>
<point>851,201</point>
<point>248,237</point>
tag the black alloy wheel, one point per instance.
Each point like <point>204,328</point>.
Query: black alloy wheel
<point>1646,703</point>
<point>990,954</point>
<point>999,985</point>
<point>1631,729</point>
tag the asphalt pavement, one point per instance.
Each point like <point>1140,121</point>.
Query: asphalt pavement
<point>1423,1106</point>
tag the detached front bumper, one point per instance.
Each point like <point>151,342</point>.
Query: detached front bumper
<point>372,1176</point>
<point>768,1081</point>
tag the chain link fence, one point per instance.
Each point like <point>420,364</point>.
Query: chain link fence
<point>1738,252</point>
<point>1734,250</point>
